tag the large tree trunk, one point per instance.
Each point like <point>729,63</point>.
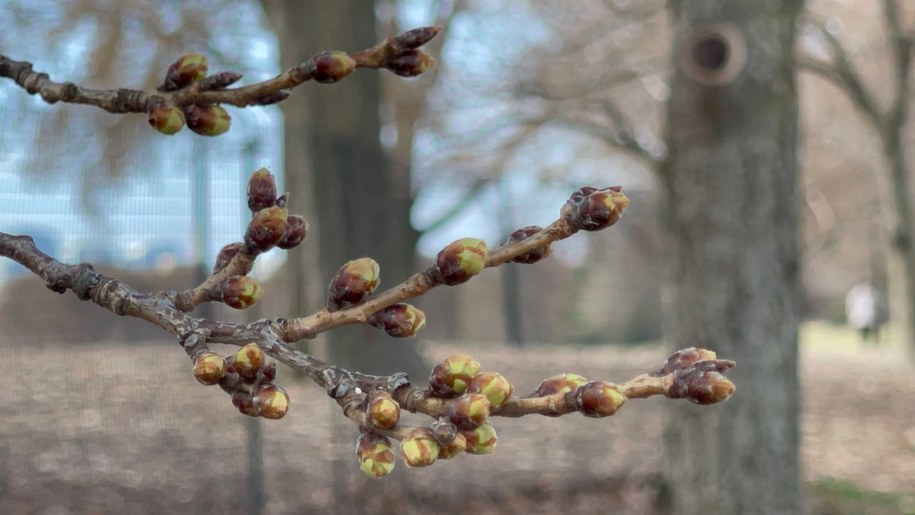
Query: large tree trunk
<point>731,177</point>
<point>361,204</point>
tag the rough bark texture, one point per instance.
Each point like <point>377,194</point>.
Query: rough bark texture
<point>731,177</point>
<point>361,205</point>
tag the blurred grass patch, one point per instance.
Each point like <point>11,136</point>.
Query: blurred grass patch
<point>840,496</point>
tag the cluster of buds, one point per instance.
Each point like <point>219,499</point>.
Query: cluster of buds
<point>271,226</point>
<point>248,378</point>
<point>204,119</point>
<point>593,209</point>
<point>697,376</point>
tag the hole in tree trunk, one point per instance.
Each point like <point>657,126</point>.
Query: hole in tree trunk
<point>713,55</point>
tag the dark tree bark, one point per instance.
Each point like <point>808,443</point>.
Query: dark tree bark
<point>731,179</point>
<point>361,204</point>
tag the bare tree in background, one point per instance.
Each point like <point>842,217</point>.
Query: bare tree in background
<point>889,123</point>
<point>732,173</point>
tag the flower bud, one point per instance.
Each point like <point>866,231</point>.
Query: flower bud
<point>187,69</point>
<point>494,386</point>
<point>246,403</point>
<point>330,67</point>
<point>240,291</point>
<point>231,380</point>
<point>381,410</point>
<point>419,448</point>
<point>481,440</point>
<point>272,402</point>
<point>353,283</point>
<point>682,359</point>
<point>460,260</point>
<point>417,37</point>
<point>248,361</point>
<point>410,63</point>
<point>591,209</point>
<point>562,383</point>
<point>225,256</point>
<point>533,256</point>
<point>443,431</point>
<point>599,399</point>
<point>267,374</point>
<point>702,382</point>
<point>399,320</point>
<point>457,445</point>
<point>165,119</point>
<point>469,411</point>
<point>207,120</point>
<point>376,457</point>
<point>261,190</point>
<point>209,368</point>
<point>451,377</point>
<point>295,233</point>
<point>220,80</point>
<point>266,228</point>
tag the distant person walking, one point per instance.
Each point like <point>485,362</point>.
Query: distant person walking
<point>861,311</point>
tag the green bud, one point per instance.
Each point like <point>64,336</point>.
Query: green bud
<point>353,283</point>
<point>330,67</point>
<point>494,386</point>
<point>451,377</point>
<point>272,402</point>
<point>207,120</point>
<point>240,291</point>
<point>266,229</point>
<point>399,320</point>
<point>419,448</point>
<point>469,411</point>
<point>248,361</point>
<point>187,69</point>
<point>376,457</point>
<point>209,368</point>
<point>460,260</point>
<point>481,440</point>
<point>165,119</point>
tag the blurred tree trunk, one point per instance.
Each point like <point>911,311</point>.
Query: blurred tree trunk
<point>731,177</point>
<point>335,159</point>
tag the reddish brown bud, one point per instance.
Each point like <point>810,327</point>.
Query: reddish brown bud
<point>246,403</point>
<point>682,359</point>
<point>399,320</point>
<point>591,209</point>
<point>268,373</point>
<point>353,283</point>
<point>225,256</point>
<point>273,98</point>
<point>494,386</point>
<point>261,190</point>
<point>209,368</point>
<point>295,233</point>
<point>599,399</point>
<point>534,255</point>
<point>417,37</point>
<point>702,382</point>
<point>562,383</point>
<point>457,445</point>
<point>266,228</point>
<point>240,291</point>
<point>469,411</point>
<point>248,361</point>
<point>220,80</point>
<point>451,377</point>
<point>272,402</point>
<point>481,440</point>
<point>330,67</point>
<point>381,411</point>
<point>187,69</point>
<point>460,260</point>
<point>410,63</point>
<point>165,119</point>
<point>231,381</point>
<point>419,448</point>
<point>207,120</point>
<point>376,457</point>
<point>443,431</point>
